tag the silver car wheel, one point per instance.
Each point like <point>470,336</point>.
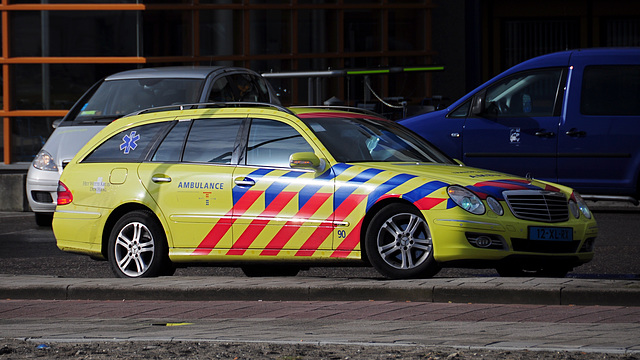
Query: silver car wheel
<point>404,241</point>
<point>134,249</point>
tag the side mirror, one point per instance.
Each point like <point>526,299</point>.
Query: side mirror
<point>478,106</point>
<point>305,160</point>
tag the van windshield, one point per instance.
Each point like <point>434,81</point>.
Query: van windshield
<point>117,98</point>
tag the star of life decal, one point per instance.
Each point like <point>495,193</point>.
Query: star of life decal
<point>129,142</point>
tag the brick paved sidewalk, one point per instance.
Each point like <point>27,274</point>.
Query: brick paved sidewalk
<point>610,329</point>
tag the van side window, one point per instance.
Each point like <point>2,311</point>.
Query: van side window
<point>526,94</point>
<point>272,142</point>
<point>239,87</point>
<point>610,90</point>
<point>212,141</point>
<point>131,145</point>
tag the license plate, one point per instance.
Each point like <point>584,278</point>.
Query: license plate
<point>550,233</point>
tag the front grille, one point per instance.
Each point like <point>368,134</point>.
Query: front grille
<point>537,205</point>
<point>42,197</point>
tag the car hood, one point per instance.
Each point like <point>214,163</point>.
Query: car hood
<point>65,142</point>
<point>483,182</point>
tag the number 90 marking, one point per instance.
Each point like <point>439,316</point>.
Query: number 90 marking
<point>342,234</point>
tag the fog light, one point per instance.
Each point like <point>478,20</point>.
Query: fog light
<point>483,241</point>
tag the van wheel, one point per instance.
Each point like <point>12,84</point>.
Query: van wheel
<point>399,245</point>
<point>138,247</point>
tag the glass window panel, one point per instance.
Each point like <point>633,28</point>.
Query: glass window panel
<point>270,32</point>
<point>55,86</point>
<point>212,141</point>
<point>406,30</point>
<point>317,31</point>
<point>362,30</point>
<point>167,33</point>
<point>131,145</point>
<point>221,32</point>
<point>611,90</point>
<point>28,135</point>
<point>531,93</point>
<point>171,147</point>
<point>55,33</point>
<point>271,143</point>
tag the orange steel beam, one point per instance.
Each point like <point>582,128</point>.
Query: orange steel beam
<point>6,122</point>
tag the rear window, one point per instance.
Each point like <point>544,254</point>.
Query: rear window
<point>611,90</point>
<point>131,145</point>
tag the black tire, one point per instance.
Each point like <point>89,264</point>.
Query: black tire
<point>138,247</point>
<point>398,243</point>
<point>44,219</point>
<point>270,270</point>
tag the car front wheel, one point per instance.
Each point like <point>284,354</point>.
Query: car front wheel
<point>137,246</point>
<point>399,244</point>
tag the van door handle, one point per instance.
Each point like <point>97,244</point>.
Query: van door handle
<point>244,181</point>
<point>576,132</point>
<point>544,133</point>
<point>161,179</point>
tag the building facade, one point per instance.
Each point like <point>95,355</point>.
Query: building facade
<point>54,50</point>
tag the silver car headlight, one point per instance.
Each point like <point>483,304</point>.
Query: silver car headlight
<point>466,199</point>
<point>44,161</point>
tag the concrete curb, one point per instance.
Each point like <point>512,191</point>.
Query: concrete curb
<point>539,291</point>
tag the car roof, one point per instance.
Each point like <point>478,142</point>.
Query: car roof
<point>181,72</point>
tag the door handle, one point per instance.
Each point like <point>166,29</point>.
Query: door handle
<point>576,132</point>
<point>161,179</point>
<point>244,181</point>
<point>544,133</point>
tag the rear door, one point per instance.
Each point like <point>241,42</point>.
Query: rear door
<point>598,143</point>
<point>518,133</point>
<point>191,182</point>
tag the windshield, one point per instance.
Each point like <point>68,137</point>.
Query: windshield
<point>117,98</point>
<point>366,140</point>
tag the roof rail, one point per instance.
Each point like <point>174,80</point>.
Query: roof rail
<point>211,105</point>
<point>343,108</point>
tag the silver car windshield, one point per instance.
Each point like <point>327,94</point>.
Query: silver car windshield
<point>117,98</point>
<point>365,140</point>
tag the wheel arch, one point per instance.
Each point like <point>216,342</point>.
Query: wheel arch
<point>119,212</point>
<point>369,216</point>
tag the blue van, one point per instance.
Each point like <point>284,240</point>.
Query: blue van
<point>571,117</point>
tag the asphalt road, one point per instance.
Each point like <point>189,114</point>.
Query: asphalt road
<point>26,249</point>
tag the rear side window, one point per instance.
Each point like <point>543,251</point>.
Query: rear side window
<point>611,90</point>
<point>212,141</point>
<point>131,145</point>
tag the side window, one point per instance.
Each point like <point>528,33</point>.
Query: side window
<point>271,143</point>
<point>171,147</point>
<point>526,94</point>
<point>212,141</point>
<point>461,111</point>
<point>239,87</point>
<point>610,90</point>
<point>131,145</point>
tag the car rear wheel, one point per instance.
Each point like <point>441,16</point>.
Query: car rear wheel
<point>138,247</point>
<point>399,244</point>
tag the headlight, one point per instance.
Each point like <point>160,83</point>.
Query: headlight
<point>44,161</point>
<point>466,199</point>
<point>582,205</point>
<point>495,206</point>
